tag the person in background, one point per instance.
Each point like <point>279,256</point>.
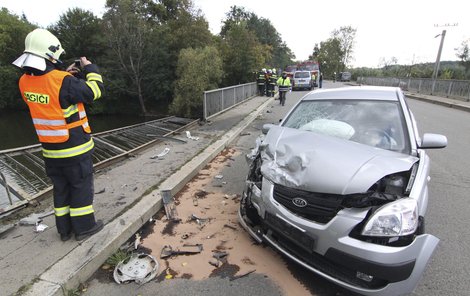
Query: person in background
<point>284,86</point>
<point>56,99</point>
<point>272,82</point>
<point>314,80</point>
<point>261,82</point>
<point>320,80</point>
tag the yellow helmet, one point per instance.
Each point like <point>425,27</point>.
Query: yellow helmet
<point>39,43</point>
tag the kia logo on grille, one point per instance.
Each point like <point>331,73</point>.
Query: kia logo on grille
<point>299,202</point>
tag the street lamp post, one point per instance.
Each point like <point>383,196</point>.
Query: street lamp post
<point>438,60</point>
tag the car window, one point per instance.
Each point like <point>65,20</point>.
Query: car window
<point>302,75</point>
<point>374,123</point>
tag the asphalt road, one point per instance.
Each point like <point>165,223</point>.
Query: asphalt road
<point>447,216</point>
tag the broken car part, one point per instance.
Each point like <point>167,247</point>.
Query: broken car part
<point>186,249</point>
<point>140,268</point>
<point>169,205</point>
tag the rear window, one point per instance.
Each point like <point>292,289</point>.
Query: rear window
<point>302,75</point>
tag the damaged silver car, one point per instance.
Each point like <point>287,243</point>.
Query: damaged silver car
<point>340,186</point>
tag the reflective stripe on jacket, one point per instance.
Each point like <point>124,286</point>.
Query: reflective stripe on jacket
<point>41,94</point>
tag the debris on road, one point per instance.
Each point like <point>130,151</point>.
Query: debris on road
<point>161,154</point>
<point>40,227</point>
<point>188,135</point>
<point>140,268</point>
<point>186,249</point>
<point>34,219</point>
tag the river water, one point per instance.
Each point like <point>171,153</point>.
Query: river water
<point>16,127</point>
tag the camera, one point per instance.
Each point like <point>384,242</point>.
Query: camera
<point>77,63</point>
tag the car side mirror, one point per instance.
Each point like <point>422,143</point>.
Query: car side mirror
<point>433,141</point>
<point>267,127</point>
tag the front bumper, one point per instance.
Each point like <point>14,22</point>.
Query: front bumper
<point>329,251</point>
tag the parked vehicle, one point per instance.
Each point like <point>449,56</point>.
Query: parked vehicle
<point>313,67</point>
<point>340,186</point>
<point>290,70</point>
<point>302,80</point>
<point>344,76</point>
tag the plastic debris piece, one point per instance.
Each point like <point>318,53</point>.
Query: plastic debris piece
<point>161,154</point>
<point>168,276</point>
<point>36,218</point>
<point>137,241</point>
<point>186,249</point>
<point>218,177</point>
<point>169,205</point>
<point>40,227</point>
<point>188,135</point>
<point>140,268</point>
<point>215,262</point>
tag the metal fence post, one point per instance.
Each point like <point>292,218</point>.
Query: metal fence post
<point>205,106</point>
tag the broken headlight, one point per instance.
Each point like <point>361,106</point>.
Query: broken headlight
<point>398,218</point>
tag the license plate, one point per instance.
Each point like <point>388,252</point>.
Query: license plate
<point>289,232</point>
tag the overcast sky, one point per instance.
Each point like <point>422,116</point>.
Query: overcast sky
<point>404,29</point>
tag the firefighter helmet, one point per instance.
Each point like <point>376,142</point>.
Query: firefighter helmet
<point>40,44</point>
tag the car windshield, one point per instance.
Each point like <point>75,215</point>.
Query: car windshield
<point>302,75</point>
<point>370,122</point>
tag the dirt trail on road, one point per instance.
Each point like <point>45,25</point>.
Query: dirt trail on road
<point>209,217</point>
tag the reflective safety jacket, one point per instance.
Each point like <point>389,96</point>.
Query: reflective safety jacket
<point>283,83</point>
<point>52,123</point>
<point>261,78</point>
<point>56,101</point>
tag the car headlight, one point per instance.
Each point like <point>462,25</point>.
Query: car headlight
<point>398,218</point>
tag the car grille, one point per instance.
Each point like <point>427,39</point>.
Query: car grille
<point>320,207</point>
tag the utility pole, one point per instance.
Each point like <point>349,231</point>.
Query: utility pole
<point>438,59</point>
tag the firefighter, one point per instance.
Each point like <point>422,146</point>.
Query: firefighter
<point>261,82</point>
<point>56,101</point>
<point>272,82</point>
<point>268,82</point>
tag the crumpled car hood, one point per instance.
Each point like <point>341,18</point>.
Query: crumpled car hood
<point>319,163</point>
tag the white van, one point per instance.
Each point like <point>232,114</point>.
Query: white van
<point>302,79</point>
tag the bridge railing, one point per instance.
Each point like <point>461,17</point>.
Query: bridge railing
<point>219,100</point>
<point>455,89</point>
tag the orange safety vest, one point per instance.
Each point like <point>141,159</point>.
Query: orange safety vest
<point>41,93</point>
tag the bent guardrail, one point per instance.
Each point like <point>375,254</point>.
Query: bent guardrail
<point>456,89</point>
<point>219,100</point>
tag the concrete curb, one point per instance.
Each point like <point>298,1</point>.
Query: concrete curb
<point>80,264</point>
<point>449,104</point>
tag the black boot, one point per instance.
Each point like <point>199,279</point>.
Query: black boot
<point>98,226</point>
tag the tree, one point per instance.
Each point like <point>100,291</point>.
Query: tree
<point>13,31</point>
<point>346,36</point>
<point>242,55</point>
<point>81,34</point>
<point>330,57</point>
<point>198,70</point>
<point>279,53</point>
<point>128,37</point>
<point>463,54</point>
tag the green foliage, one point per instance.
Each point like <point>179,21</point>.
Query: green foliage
<point>242,55</point>
<point>81,34</point>
<point>198,70</point>
<point>13,31</point>
<point>118,256</point>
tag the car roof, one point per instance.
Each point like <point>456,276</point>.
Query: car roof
<point>363,92</point>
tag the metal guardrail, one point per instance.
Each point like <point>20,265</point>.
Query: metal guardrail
<point>219,100</point>
<point>22,173</point>
<point>455,89</point>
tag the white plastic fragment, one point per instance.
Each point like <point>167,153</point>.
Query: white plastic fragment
<point>161,154</point>
<point>188,135</point>
<point>40,227</point>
